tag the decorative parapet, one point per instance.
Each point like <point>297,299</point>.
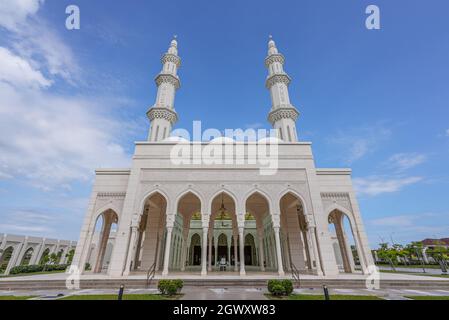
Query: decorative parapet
<point>283,113</point>
<point>111,195</point>
<point>168,78</point>
<point>274,58</point>
<point>162,113</point>
<point>170,57</point>
<point>277,78</point>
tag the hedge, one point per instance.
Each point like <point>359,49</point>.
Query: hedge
<point>170,287</point>
<point>38,268</point>
<point>280,287</point>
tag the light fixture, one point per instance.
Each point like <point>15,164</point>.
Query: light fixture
<point>222,211</point>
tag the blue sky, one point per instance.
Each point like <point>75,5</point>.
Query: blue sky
<point>375,101</point>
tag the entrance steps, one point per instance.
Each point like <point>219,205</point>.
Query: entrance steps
<point>58,284</point>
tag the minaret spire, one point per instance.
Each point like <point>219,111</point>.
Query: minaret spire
<point>283,114</point>
<point>162,114</point>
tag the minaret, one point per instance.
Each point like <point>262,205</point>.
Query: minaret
<point>283,114</point>
<point>163,115</point>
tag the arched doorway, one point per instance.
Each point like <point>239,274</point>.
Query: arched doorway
<point>194,258</point>
<point>105,225</point>
<point>150,244</point>
<point>188,220</point>
<point>344,242</point>
<point>5,258</point>
<point>45,257</point>
<point>223,228</point>
<point>258,216</point>
<point>250,250</point>
<point>296,240</point>
<point>27,257</point>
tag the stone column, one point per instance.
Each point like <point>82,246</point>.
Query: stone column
<point>342,243</point>
<point>131,250</point>
<point>216,250</point>
<point>278,250</point>
<point>13,260</point>
<point>236,256</point>
<point>184,251</point>
<point>261,253</point>
<point>210,252</point>
<point>103,243</point>
<point>311,232</point>
<point>204,252</point>
<point>242,250</point>
<point>167,250</point>
<point>228,245</point>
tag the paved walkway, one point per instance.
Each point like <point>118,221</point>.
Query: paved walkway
<point>233,293</point>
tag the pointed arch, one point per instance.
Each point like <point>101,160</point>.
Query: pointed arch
<point>226,192</point>
<point>149,194</point>
<point>297,195</point>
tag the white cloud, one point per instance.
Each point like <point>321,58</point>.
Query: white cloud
<point>447,132</point>
<point>394,221</point>
<point>18,72</point>
<point>358,142</point>
<point>375,185</point>
<point>53,140</point>
<point>14,13</point>
<point>405,228</point>
<point>405,161</point>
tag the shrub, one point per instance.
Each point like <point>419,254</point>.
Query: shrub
<point>170,287</point>
<point>288,286</point>
<point>280,287</point>
<point>271,284</point>
<point>277,290</point>
<point>37,268</point>
<point>179,284</point>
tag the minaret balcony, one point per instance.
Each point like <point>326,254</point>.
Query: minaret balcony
<point>277,57</point>
<point>277,78</point>
<point>168,78</point>
<point>170,57</point>
<point>283,112</point>
<point>162,113</point>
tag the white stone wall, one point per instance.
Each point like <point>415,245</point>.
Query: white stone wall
<point>21,244</point>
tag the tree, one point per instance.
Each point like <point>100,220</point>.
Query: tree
<point>53,258</point>
<point>388,254</point>
<point>440,253</point>
<point>69,256</point>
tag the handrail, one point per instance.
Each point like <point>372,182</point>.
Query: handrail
<point>295,274</point>
<point>151,273</point>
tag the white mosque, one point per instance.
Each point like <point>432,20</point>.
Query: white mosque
<point>203,216</point>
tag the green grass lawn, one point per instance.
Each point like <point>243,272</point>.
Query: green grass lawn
<point>417,274</point>
<point>125,297</point>
<point>428,297</point>
<point>416,266</point>
<point>321,297</point>
<point>15,297</point>
<point>30,274</point>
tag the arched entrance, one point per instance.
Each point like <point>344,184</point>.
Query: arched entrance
<point>258,216</point>
<point>194,257</point>
<point>223,234</point>
<point>187,223</point>
<point>27,257</point>
<point>5,258</point>
<point>151,234</point>
<point>250,250</point>
<point>296,239</point>
<point>105,224</point>
<point>344,242</point>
